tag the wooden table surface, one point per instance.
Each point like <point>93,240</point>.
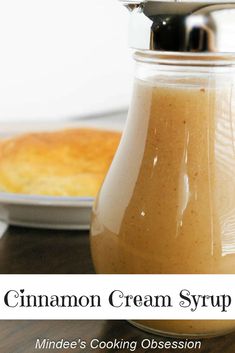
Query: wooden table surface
<point>36,251</point>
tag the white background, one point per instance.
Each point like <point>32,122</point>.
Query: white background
<point>63,58</point>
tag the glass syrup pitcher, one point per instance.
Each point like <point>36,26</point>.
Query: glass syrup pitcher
<point>167,205</point>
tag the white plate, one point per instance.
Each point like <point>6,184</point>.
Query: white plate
<point>45,211</point>
<point>49,211</point>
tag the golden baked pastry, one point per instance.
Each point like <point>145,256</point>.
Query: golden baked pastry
<point>69,162</point>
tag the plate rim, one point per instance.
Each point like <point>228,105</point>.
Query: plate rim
<point>43,200</point>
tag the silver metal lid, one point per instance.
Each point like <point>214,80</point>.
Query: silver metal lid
<point>182,26</point>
